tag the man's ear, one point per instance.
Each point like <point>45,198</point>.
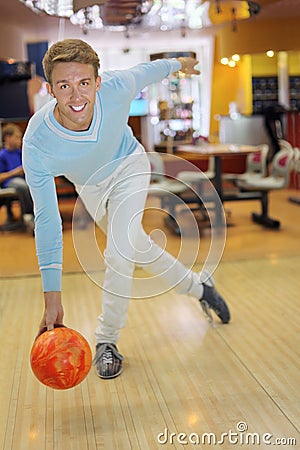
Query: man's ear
<point>98,82</point>
<point>49,89</point>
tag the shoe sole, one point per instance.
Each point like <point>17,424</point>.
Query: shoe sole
<point>109,377</point>
<point>206,307</point>
<point>207,311</point>
<point>226,319</point>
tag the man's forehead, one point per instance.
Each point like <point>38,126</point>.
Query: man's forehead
<point>71,69</point>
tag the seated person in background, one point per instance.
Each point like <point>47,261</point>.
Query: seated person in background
<point>11,171</point>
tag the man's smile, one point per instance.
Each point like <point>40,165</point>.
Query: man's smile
<point>77,108</point>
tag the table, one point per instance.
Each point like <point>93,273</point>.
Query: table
<point>219,151</point>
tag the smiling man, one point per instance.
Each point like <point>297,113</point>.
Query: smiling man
<point>83,134</point>
<point>76,92</point>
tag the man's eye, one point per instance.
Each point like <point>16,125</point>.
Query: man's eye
<point>64,86</point>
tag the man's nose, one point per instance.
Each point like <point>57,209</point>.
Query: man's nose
<point>75,94</point>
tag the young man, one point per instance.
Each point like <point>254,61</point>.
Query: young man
<point>83,135</point>
<point>11,170</point>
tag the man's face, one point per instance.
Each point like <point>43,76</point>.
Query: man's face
<point>74,86</point>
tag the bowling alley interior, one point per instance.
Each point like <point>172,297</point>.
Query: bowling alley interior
<point>224,197</point>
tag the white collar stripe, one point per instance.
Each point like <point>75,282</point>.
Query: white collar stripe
<point>91,135</point>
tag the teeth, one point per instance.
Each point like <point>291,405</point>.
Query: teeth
<point>77,108</point>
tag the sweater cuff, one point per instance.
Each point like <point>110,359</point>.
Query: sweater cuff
<point>51,280</point>
<point>175,65</point>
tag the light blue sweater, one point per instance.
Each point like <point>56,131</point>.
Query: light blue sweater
<point>50,150</point>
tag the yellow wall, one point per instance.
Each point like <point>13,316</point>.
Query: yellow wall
<point>263,66</point>
<point>251,41</point>
<point>244,94</point>
<point>294,63</point>
<point>259,36</point>
<point>235,84</point>
<point>230,85</point>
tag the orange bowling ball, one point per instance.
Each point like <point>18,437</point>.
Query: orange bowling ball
<point>61,358</point>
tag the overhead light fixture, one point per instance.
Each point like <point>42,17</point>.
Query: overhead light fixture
<point>197,14</point>
<point>161,15</point>
<point>232,11</point>
<point>60,8</point>
<point>88,18</point>
<point>236,57</point>
<point>224,61</point>
<point>270,53</point>
<point>93,14</point>
<point>230,62</point>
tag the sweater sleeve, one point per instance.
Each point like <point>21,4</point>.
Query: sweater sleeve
<point>138,77</point>
<point>48,225</point>
<point>148,73</point>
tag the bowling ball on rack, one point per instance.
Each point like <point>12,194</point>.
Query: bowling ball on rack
<point>61,358</point>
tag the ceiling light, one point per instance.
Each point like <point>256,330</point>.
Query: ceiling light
<point>270,53</point>
<point>152,14</point>
<point>224,61</point>
<point>60,8</point>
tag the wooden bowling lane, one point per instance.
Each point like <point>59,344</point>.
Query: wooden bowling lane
<point>181,375</point>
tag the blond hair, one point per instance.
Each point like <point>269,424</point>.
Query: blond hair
<point>70,50</point>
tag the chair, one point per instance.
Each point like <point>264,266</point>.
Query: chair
<point>278,179</point>
<point>295,181</point>
<point>166,189</point>
<point>283,144</point>
<point>197,179</point>
<point>256,165</point>
<point>189,176</point>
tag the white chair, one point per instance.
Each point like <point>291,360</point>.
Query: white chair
<point>166,189</point>
<point>283,144</point>
<point>295,168</point>
<point>295,181</point>
<point>256,165</point>
<point>197,180</point>
<point>197,176</point>
<point>278,179</point>
<point>161,185</point>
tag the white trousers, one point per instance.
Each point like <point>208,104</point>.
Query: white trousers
<point>117,205</point>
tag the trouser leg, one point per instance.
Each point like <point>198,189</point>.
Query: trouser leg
<point>121,256</point>
<point>170,270</point>
<point>128,245</point>
<point>117,206</point>
<point>122,225</point>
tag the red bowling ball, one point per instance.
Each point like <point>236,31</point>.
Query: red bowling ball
<point>61,358</point>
